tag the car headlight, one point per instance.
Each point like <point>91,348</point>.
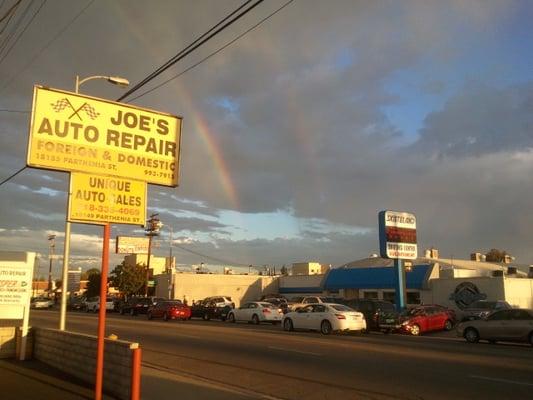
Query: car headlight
<point>404,323</point>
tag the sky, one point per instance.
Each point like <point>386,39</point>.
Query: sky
<point>296,135</point>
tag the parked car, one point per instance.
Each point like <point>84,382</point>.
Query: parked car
<point>207,309</point>
<point>326,318</point>
<point>93,304</point>
<point>299,302</point>
<point>482,308</point>
<point>76,303</point>
<point>221,301</point>
<point>169,309</point>
<point>279,302</point>
<point>427,318</point>
<point>256,312</point>
<point>138,305</point>
<point>41,302</point>
<point>514,325</point>
<point>375,311</point>
<point>272,296</point>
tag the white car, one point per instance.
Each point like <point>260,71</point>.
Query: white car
<point>299,302</point>
<point>93,304</point>
<point>256,312</point>
<point>41,302</point>
<point>326,318</point>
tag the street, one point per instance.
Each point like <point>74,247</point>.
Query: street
<point>266,362</point>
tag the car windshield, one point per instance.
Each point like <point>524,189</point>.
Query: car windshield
<point>297,299</point>
<point>386,306</point>
<point>340,307</point>
<point>267,305</point>
<point>173,303</point>
<point>485,305</point>
<point>329,299</point>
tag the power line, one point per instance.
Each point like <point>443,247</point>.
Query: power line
<point>210,258</point>
<point>182,54</point>
<point>12,176</point>
<point>24,30</point>
<point>15,28</point>
<point>168,63</point>
<point>13,111</point>
<point>58,34</point>
<point>213,53</point>
<point>11,10</point>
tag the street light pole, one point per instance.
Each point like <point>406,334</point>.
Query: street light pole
<point>66,250</point>
<point>51,246</point>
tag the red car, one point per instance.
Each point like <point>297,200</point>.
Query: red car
<point>173,309</point>
<point>427,318</point>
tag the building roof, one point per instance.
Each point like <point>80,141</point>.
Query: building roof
<point>375,277</point>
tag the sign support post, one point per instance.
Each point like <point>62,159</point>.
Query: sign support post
<point>101,314</point>
<point>399,274</point>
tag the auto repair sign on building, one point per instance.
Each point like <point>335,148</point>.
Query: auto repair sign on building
<point>397,235</point>
<point>16,273</point>
<point>71,132</point>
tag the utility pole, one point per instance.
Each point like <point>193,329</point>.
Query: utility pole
<point>51,246</point>
<point>153,225</point>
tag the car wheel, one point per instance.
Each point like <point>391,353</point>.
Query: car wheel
<point>231,317</point>
<point>132,312</point>
<point>121,312</point>
<point>165,317</point>
<point>287,325</point>
<point>87,309</point>
<point>222,319</point>
<point>149,315</point>
<point>206,317</point>
<point>255,319</point>
<point>94,309</point>
<point>471,335</point>
<point>415,330</point>
<point>325,327</point>
<point>448,325</point>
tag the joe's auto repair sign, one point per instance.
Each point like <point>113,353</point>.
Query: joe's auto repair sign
<point>69,132</point>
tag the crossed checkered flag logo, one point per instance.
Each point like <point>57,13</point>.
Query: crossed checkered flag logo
<point>64,103</point>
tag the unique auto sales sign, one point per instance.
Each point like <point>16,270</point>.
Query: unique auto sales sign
<point>397,235</point>
<point>106,199</point>
<point>70,132</point>
<point>132,245</point>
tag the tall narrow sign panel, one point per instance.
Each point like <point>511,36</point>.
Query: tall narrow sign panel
<point>397,235</point>
<point>16,273</point>
<point>71,132</point>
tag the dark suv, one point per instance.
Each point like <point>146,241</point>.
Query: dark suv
<point>137,305</point>
<point>207,309</point>
<point>376,312</point>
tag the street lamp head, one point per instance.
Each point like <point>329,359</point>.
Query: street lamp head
<point>117,80</point>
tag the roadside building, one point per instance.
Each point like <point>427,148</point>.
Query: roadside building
<point>309,268</point>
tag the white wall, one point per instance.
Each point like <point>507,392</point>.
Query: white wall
<point>519,292</point>
<point>240,288</point>
<point>441,289</point>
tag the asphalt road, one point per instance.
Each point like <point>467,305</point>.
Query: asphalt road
<point>266,362</point>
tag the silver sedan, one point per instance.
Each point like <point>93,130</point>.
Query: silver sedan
<point>515,325</point>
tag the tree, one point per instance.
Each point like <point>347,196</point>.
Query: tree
<point>495,255</point>
<point>93,286</point>
<point>59,283</point>
<point>284,271</point>
<point>129,279</point>
<point>85,275</point>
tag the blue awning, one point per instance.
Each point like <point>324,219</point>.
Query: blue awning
<point>374,278</point>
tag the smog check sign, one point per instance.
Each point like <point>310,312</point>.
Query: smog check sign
<point>70,132</point>
<point>106,199</point>
<point>397,235</point>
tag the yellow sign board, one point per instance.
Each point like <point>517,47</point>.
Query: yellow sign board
<point>104,199</point>
<point>70,132</point>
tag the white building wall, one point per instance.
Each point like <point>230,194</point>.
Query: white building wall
<point>240,288</point>
<point>441,289</point>
<point>519,292</point>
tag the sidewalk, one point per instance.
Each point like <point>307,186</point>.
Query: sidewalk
<point>33,380</point>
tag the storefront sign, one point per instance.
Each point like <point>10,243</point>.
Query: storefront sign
<point>132,245</point>
<point>465,294</point>
<point>105,199</point>
<point>70,132</point>
<point>16,272</point>
<point>397,235</point>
